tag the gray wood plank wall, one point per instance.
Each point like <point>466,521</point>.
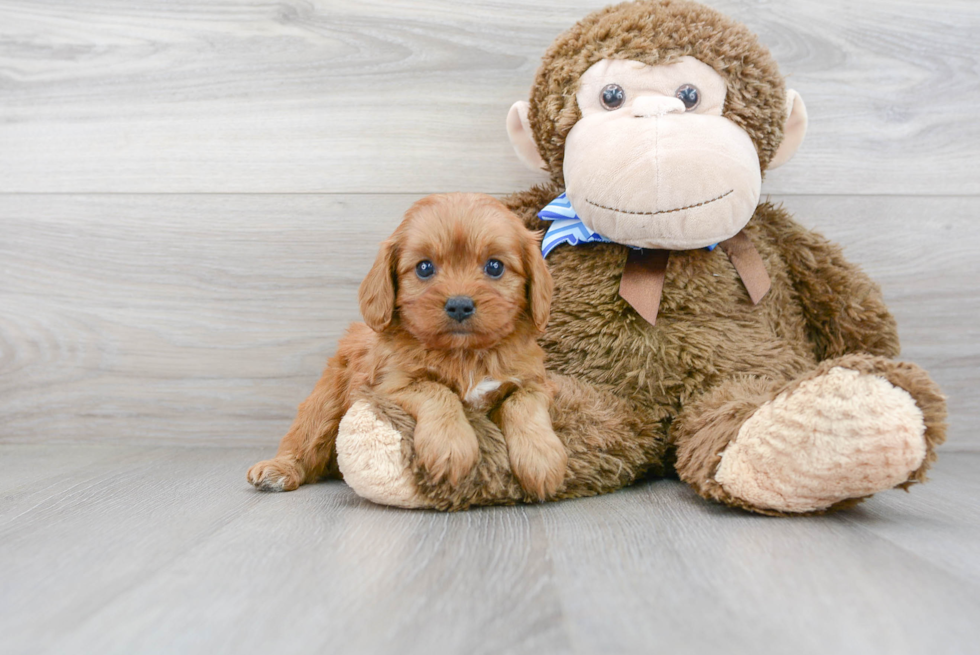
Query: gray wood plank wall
<point>190,192</point>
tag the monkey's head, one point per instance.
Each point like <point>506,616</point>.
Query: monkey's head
<point>659,117</point>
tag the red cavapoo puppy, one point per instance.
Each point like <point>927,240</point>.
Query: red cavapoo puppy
<point>452,306</point>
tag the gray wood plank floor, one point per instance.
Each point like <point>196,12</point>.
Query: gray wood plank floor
<point>132,549</point>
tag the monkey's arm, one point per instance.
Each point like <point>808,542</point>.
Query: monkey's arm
<point>843,307</point>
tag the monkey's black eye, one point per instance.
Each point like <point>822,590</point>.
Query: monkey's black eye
<point>612,96</point>
<point>690,96</point>
<point>425,269</point>
<point>494,268</point>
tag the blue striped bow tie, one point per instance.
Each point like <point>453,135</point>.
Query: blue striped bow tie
<point>646,268</point>
<point>567,227</point>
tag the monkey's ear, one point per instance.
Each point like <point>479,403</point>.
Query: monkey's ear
<point>540,286</point>
<point>522,138</point>
<point>794,129</point>
<point>377,292</point>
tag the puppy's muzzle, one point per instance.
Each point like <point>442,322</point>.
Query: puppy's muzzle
<point>460,308</point>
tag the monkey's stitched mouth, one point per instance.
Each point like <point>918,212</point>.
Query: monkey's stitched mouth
<point>664,211</point>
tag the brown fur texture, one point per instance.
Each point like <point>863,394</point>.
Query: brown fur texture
<point>633,398</point>
<point>658,33</point>
<point>414,354</point>
<point>609,445</point>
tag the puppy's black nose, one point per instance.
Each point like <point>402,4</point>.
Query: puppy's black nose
<point>460,308</point>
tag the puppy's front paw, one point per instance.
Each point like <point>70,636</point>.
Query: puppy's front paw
<point>539,462</point>
<point>279,474</point>
<point>446,453</point>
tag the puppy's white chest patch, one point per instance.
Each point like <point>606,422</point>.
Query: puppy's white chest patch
<point>477,393</point>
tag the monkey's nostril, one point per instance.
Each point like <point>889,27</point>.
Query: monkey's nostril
<point>460,308</point>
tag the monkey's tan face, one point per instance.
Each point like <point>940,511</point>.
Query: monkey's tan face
<point>653,163</point>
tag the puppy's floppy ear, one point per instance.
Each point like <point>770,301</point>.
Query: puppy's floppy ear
<point>539,283</point>
<point>377,292</point>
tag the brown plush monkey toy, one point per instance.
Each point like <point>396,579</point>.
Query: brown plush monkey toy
<point>761,371</point>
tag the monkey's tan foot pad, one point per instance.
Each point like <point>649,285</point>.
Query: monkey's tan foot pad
<point>369,453</point>
<point>837,436</point>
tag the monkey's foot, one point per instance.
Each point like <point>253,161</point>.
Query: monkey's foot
<point>369,453</point>
<point>840,435</point>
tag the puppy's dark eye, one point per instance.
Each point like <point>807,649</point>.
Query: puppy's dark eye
<point>612,96</point>
<point>690,96</point>
<point>425,269</point>
<point>494,268</point>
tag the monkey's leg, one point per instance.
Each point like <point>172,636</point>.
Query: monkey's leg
<point>610,444</point>
<point>853,426</point>
<point>306,451</point>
